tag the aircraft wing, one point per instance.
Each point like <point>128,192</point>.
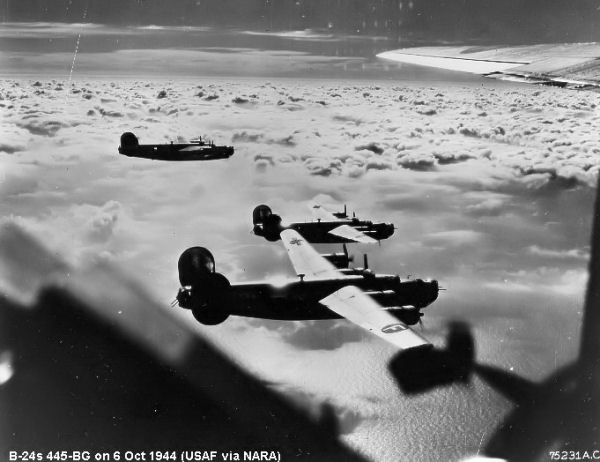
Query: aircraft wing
<point>349,302</point>
<point>322,214</point>
<point>305,259</point>
<point>357,307</point>
<point>352,234</point>
<point>571,65</point>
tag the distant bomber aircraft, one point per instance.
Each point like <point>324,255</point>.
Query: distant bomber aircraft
<point>196,149</point>
<point>383,304</point>
<point>328,228</point>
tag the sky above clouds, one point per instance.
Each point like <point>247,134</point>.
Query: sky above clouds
<point>492,21</point>
<point>490,186</point>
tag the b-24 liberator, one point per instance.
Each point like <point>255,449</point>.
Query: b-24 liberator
<point>327,228</point>
<point>196,149</point>
<point>383,304</point>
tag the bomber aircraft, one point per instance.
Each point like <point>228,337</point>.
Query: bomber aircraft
<point>327,228</point>
<point>383,304</point>
<point>196,149</point>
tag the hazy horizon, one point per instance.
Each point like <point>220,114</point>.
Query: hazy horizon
<point>486,21</point>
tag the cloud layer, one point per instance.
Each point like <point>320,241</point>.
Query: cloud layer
<point>489,187</point>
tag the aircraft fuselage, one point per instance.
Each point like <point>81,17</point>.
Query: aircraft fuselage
<point>177,152</point>
<point>299,300</point>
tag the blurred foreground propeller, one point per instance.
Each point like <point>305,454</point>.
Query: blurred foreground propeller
<point>419,370</point>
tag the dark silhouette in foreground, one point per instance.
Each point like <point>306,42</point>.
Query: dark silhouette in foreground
<point>562,413</point>
<point>97,365</point>
<point>420,370</point>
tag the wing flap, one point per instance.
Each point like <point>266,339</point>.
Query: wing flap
<point>352,234</point>
<point>305,259</point>
<point>357,307</point>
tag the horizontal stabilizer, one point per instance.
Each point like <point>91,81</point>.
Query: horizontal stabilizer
<point>322,214</point>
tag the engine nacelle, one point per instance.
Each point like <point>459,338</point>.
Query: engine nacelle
<point>339,260</point>
<point>384,297</point>
<point>409,316</point>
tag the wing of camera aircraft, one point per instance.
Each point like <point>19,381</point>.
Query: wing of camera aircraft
<point>344,231</point>
<point>569,65</point>
<point>349,302</point>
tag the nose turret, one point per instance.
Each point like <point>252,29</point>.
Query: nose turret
<point>389,228</point>
<point>425,291</point>
<point>430,291</point>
